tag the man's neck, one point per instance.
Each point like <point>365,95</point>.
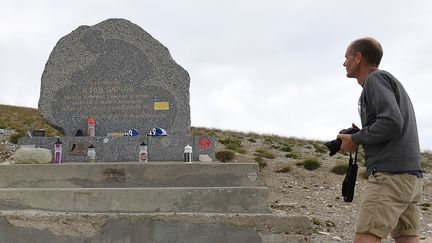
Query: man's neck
<point>364,74</point>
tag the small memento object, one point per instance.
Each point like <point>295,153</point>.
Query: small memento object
<point>157,131</point>
<point>115,134</point>
<point>38,133</point>
<point>79,133</point>
<point>188,154</point>
<point>91,153</point>
<point>143,154</point>
<point>133,132</point>
<point>91,127</point>
<point>58,152</point>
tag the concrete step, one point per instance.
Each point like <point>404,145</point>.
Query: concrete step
<point>167,199</point>
<point>128,174</point>
<point>40,227</point>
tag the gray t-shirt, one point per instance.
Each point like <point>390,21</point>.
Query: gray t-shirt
<point>389,130</point>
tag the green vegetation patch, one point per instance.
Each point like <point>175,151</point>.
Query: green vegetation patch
<point>261,162</point>
<point>224,155</point>
<point>234,144</point>
<point>264,153</point>
<point>286,148</point>
<point>340,168</point>
<point>311,164</point>
<point>294,155</point>
<point>320,148</point>
<point>199,131</point>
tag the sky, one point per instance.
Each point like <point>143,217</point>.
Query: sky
<point>269,66</point>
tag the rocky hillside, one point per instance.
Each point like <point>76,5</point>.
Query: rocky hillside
<point>300,175</point>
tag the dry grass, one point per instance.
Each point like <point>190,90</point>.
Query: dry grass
<point>22,120</point>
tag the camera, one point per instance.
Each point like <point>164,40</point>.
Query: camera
<point>334,145</point>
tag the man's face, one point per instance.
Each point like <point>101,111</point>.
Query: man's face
<point>352,63</point>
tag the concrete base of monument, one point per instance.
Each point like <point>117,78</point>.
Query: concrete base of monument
<point>44,226</point>
<point>126,148</point>
<point>129,174</point>
<point>141,202</point>
<point>159,199</point>
<point>133,187</point>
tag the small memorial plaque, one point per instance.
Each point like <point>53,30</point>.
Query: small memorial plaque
<point>79,149</point>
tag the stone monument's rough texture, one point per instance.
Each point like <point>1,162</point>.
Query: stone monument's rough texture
<point>119,74</point>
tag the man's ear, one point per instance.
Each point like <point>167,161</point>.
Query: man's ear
<point>358,57</point>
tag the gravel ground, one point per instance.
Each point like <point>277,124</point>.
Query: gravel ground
<point>317,194</point>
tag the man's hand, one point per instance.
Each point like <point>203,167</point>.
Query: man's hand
<point>348,145</point>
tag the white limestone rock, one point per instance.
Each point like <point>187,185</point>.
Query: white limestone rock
<point>33,156</point>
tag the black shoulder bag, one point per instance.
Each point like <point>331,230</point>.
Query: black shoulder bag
<point>349,182</point>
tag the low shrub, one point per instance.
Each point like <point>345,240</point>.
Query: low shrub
<point>261,162</point>
<point>293,155</point>
<point>241,150</point>
<point>286,148</point>
<point>14,138</point>
<point>340,169</point>
<point>233,144</point>
<point>224,155</point>
<point>311,164</point>
<point>320,148</point>
<point>263,153</point>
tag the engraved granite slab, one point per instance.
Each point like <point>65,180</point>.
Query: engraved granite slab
<point>119,74</point>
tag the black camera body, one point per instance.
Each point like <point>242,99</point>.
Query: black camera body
<point>334,145</point>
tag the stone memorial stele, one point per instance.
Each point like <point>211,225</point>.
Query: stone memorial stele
<point>126,79</point>
<point>120,75</point>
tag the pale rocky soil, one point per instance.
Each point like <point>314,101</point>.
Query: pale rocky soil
<point>6,149</point>
<point>316,193</point>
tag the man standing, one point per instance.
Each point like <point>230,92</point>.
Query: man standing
<point>392,154</point>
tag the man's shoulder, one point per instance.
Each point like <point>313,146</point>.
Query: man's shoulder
<point>380,73</point>
<point>378,76</point>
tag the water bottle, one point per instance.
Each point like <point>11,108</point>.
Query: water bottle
<point>188,154</point>
<point>58,152</point>
<point>91,153</point>
<point>143,155</point>
<point>91,127</point>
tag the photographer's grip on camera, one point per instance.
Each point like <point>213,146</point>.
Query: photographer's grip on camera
<point>335,145</point>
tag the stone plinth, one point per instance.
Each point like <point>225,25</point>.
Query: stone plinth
<point>126,148</point>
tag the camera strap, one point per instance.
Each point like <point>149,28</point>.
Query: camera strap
<point>348,184</point>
